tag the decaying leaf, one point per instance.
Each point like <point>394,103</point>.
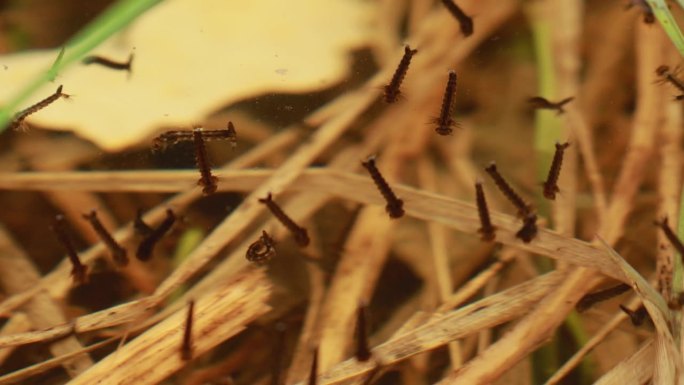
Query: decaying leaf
<point>192,58</point>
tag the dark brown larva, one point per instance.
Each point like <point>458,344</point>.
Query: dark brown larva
<point>299,233</point>
<point>109,63</point>
<point>637,316</point>
<point>395,206</point>
<point>523,208</point>
<point>207,180</point>
<point>146,247</point>
<point>119,254</point>
<point>20,116</point>
<point>538,102</point>
<point>677,302</point>
<point>591,299</point>
<point>647,12</point>
<point>392,91</point>
<point>139,226</point>
<point>186,350</point>
<point>362,352</point>
<point>487,230</point>
<point>445,122</point>
<point>313,373</point>
<point>465,21</point>
<point>229,133</point>
<point>671,236</point>
<point>551,183</point>
<point>79,272</point>
<point>669,77</point>
<point>262,250</point>
<point>175,136</point>
<point>529,228</point>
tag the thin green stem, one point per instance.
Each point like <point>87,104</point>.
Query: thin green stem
<point>547,127</point>
<point>187,242</point>
<point>108,23</point>
<point>52,72</point>
<point>548,131</point>
<point>662,12</point>
<point>581,337</point>
<point>678,274</point>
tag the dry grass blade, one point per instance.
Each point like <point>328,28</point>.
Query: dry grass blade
<point>586,147</point>
<point>26,373</point>
<point>661,315</point>
<point>440,255</point>
<point>668,360</point>
<point>440,329</point>
<point>528,334</point>
<point>650,44</point>
<point>474,285</point>
<point>19,323</point>
<point>635,370</point>
<point>596,339</point>
<point>154,355</point>
<point>118,315</point>
<point>457,214</point>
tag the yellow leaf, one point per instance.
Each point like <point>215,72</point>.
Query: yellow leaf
<point>192,58</point>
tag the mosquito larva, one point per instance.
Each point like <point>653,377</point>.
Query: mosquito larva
<point>109,63</point>
<point>207,180</point>
<point>445,122</point>
<point>669,77</point>
<point>538,102</point>
<point>523,208</point>
<point>187,348</point>
<point>529,228</point>
<point>395,206</point>
<point>637,316</point>
<point>487,230</point>
<point>591,299</point>
<point>313,373</point>
<point>146,246</point>
<point>671,236</point>
<point>262,250</point>
<point>465,21</point>
<point>119,254</point>
<point>299,233</point>
<point>392,91</point>
<point>551,183</point>
<point>79,271</point>
<point>20,116</point>
<point>362,352</point>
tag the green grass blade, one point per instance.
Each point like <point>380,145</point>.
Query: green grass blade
<point>52,73</point>
<point>107,24</point>
<point>187,242</point>
<point>677,274</point>
<point>662,13</point>
<point>547,127</point>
